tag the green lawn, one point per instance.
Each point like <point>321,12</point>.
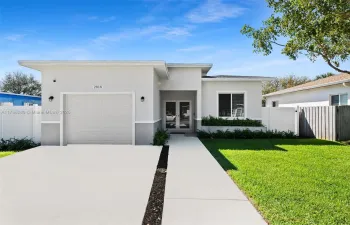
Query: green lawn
<point>3,154</point>
<point>300,181</point>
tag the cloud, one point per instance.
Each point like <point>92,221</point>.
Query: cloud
<point>153,32</point>
<point>214,11</point>
<point>147,19</point>
<point>108,19</point>
<point>92,18</point>
<point>102,19</point>
<point>14,37</point>
<point>195,48</point>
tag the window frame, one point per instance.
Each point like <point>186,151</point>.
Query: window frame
<point>245,100</point>
<point>331,95</point>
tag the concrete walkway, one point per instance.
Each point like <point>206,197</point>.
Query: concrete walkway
<point>77,185</point>
<point>198,190</point>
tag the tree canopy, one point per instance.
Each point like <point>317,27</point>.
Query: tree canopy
<point>317,29</point>
<point>20,83</point>
<point>283,83</point>
<point>324,75</point>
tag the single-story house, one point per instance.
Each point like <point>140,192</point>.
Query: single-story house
<point>333,90</point>
<point>11,99</point>
<point>126,102</point>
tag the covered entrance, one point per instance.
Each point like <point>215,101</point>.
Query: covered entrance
<point>178,115</point>
<point>178,111</point>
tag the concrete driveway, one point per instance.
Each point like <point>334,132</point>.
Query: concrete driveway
<point>77,184</point>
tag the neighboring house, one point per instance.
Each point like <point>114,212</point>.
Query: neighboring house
<point>334,90</point>
<point>126,102</point>
<point>11,99</point>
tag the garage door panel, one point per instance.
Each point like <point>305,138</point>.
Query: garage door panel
<point>99,119</point>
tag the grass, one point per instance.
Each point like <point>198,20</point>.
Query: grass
<point>6,153</point>
<point>299,181</point>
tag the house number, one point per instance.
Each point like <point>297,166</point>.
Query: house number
<point>97,86</point>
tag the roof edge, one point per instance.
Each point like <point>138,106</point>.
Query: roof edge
<point>306,88</point>
<point>239,79</point>
<point>87,62</point>
<point>10,93</point>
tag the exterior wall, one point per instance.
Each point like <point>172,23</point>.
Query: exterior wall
<point>156,98</point>
<point>50,134</point>
<point>20,122</point>
<point>19,100</point>
<point>181,79</point>
<point>112,79</point>
<point>281,119</point>
<point>311,97</point>
<point>252,89</point>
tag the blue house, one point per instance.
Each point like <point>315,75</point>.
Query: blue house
<point>18,99</point>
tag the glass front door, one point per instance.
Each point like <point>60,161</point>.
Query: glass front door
<point>170,115</point>
<point>178,115</point>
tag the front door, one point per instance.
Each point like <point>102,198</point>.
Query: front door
<point>178,116</point>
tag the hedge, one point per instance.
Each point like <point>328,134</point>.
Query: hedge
<point>14,144</point>
<point>245,134</point>
<point>217,121</point>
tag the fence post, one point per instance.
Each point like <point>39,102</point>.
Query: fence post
<point>35,121</point>
<point>269,118</point>
<point>2,123</point>
<point>297,121</point>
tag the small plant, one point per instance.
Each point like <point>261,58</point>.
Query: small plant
<point>217,121</point>
<point>245,134</point>
<point>14,144</point>
<point>160,137</point>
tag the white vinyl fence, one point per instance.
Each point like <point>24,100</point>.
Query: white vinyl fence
<point>281,118</point>
<point>20,122</point>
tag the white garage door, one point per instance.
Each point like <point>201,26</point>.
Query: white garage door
<point>98,119</point>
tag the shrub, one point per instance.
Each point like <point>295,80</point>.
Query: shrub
<point>160,137</point>
<point>245,134</point>
<point>14,144</point>
<point>217,121</point>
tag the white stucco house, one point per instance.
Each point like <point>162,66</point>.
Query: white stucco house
<point>334,90</point>
<point>125,102</point>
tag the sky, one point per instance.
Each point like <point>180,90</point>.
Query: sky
<point>177,31</point>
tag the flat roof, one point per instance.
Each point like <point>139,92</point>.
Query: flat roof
<point>204,66</point>
<point>235,78</point>
<point>160,65</point>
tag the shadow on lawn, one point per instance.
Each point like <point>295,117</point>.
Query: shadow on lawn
<point>215,145</point>
<point>262,144</point>
<point>221,159</point>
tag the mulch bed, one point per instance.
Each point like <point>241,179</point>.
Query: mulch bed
<point>154,209</point>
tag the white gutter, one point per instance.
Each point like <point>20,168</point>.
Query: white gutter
<point>238,79</point>
<point>307,88</point>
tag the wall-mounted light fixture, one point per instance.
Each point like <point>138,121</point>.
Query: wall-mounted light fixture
<point>51,98</point>
<point>142,99</point>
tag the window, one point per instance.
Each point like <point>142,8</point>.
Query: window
<point>341,99</point>
<point>231,105</point>
<point>274,103</point>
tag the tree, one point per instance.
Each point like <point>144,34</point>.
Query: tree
<point>316,28</point>
<point>20,83</point>
<point>324,75</point>
<point>283,83</point>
